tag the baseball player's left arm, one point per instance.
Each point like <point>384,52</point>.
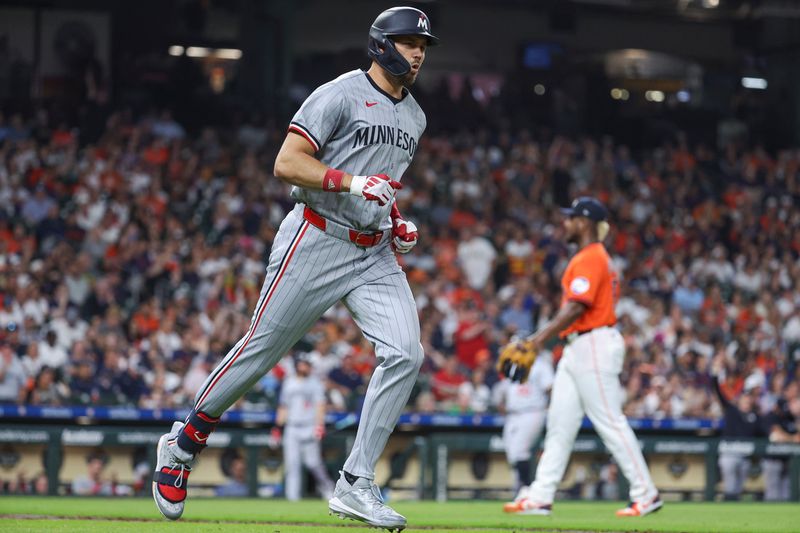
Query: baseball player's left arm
<point>404,232</point>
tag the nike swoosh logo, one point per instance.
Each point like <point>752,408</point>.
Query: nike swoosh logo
<point>370,104</point>
<point>198,438</point>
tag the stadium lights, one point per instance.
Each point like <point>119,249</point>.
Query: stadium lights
<point>539,89</point>
<point>620,94</point>
<point>683,96</point>
<point>710,4</point>
<point>654,96</point>
<point>197,51</point>
<point>754,83</point>
<point>228,53</point>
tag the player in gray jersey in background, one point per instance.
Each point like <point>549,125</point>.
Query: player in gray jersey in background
<point>346,151</point>
<point>301,414</point>
<point>525,409</point>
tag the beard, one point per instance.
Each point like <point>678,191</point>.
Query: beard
<point>406,80</point>
<point>409,79</point>
<point>571,236</point>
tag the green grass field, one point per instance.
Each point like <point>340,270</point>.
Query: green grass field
<point>19,514</point>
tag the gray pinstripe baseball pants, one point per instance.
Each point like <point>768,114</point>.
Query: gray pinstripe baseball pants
<point>308,272</point>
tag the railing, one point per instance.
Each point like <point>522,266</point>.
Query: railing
<point>338,420</point>
<point>434,440</point>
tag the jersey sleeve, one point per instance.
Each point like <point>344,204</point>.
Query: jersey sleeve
<point>318,117</point>
<point>584,283</point>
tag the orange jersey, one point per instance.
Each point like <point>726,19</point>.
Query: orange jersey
<point>591,280</point>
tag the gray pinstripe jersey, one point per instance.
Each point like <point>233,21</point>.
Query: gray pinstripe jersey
<point>356,127</point>
<point>301,396</point>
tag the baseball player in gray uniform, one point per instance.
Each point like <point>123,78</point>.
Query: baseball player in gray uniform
<point>525,407</point>
<point>346,150</point>
<point>301,414</point>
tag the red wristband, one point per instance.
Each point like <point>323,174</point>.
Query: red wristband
<point>332,182</point>
<point>395,211</point>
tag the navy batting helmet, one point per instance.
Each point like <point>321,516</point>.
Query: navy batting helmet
<point>393,22</point>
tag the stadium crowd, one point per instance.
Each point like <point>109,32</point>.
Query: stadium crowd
<point>130,265</point>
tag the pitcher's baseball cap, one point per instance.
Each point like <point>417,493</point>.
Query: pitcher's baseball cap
<point>586,206</point>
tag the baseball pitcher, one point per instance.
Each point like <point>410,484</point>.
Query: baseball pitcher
<point>587,378</point>
<point>346,151</point>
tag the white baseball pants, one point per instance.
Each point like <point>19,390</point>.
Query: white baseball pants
<point>300,448</point>
<point>520,431</point>
<point>587,382</point>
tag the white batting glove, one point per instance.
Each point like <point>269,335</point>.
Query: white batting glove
<point>377,188</point>
<point>404,235</point>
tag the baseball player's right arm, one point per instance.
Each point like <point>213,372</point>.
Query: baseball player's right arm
<point>276,433</point>
<point>568,314</point>
<point>309,131</point>
<point>281,416</point>
<point>297,165</point>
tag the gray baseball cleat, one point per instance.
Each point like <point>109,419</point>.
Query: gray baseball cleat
<point>170,479</point>
<point>362,501</point>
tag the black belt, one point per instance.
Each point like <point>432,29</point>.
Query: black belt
<point>572,337</point>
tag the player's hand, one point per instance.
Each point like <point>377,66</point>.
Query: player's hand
<point>319,432</point>
<point>404,235</point>
<point>516,360</point>
<point>377,188</point>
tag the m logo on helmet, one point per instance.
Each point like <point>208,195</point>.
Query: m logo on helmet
<point>423,23</point>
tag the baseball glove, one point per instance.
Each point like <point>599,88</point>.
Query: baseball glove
<point>516,360</point>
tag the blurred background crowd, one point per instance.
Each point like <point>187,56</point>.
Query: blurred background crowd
<point>131,258</point>
<point>138,206</point>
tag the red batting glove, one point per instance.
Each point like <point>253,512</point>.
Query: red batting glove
<point>377,188</point>
<point>404,235</point>
<point>404,232</point>
<point>319,432</point>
